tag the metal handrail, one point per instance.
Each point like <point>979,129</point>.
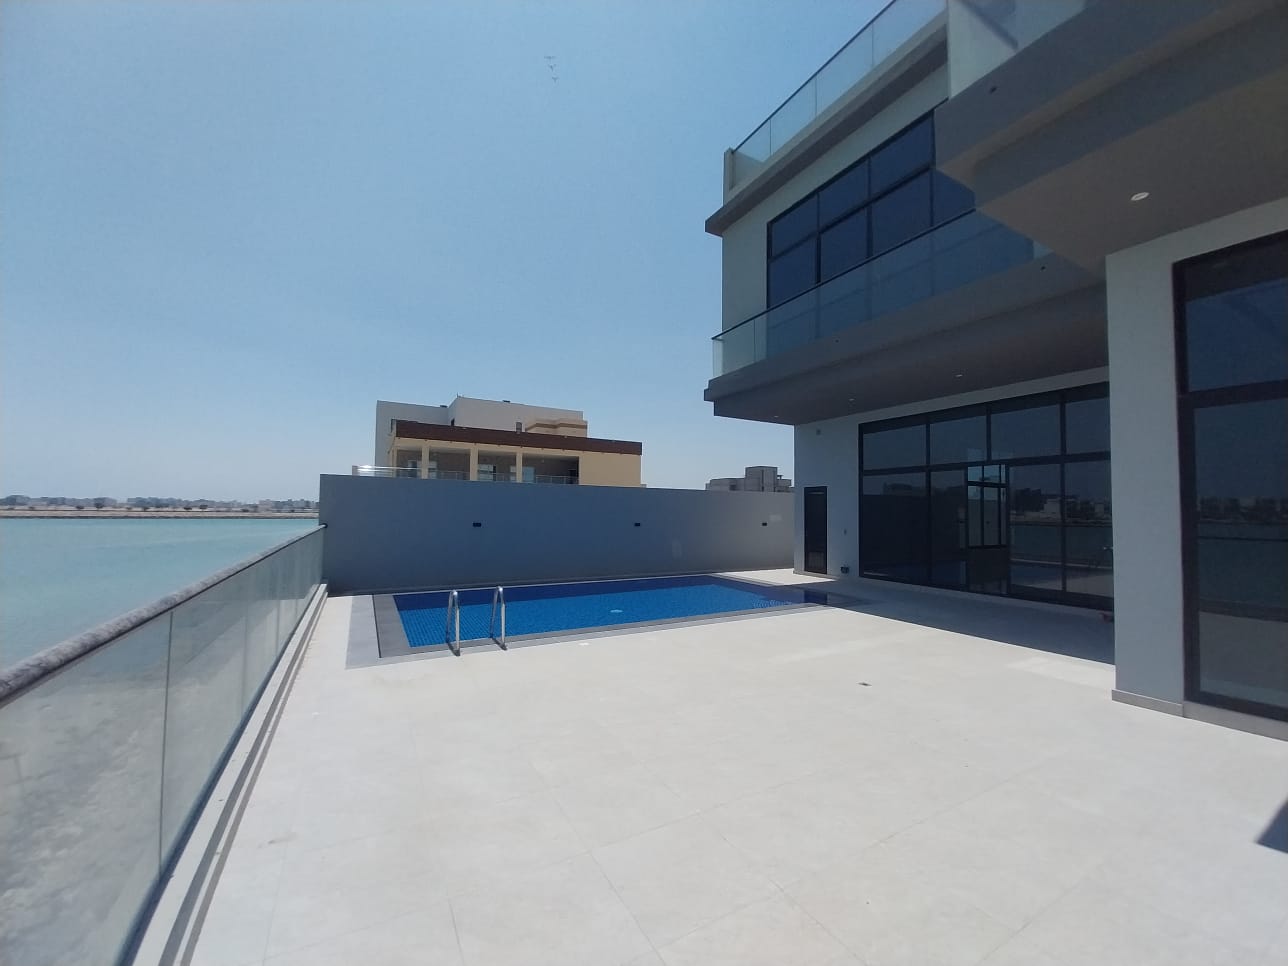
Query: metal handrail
<point>453,608</point>
<point>498,595</point>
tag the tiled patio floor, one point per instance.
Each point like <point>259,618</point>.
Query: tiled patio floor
<point>818,787</point>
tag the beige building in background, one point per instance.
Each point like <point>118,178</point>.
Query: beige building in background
<point>499,441</point>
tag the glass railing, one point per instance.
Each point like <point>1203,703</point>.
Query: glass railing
<point>883,35</point>
<point>956,253</point>
<point>109,743</point>
<point>984,34</point>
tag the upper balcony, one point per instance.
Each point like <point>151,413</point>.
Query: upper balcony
<point>890,29</point>
<point>964,250</point>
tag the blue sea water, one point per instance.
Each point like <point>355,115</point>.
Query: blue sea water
<point>61,577</point>
<point>563,607</point>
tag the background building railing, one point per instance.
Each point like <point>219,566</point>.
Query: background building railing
<point>956,253</point>
<point>110,741</point>
<point>496,476</point>
<point>386,471</point>
<point>849,65</point>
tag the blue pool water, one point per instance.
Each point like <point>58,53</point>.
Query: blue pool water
<point>541,609</point>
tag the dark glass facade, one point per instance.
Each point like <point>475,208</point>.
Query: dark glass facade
<point>1232,369</point>
<point>888,197</point>
<point>1011,497</point>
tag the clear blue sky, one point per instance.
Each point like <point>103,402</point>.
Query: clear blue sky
<point>227,228</point>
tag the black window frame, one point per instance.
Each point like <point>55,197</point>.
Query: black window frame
<point>1188,402</point>
<point>1061,457</point>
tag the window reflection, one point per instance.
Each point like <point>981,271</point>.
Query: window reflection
<point>1033,522</point>
<point>893,526</point>
<point>1234,414</point>
<point>1088,529</point>
<point>1036,523</point>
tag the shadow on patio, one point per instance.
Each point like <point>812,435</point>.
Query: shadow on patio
<point>1057,630</point>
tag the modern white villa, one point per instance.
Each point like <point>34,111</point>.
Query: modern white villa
<point>1017,273</point>
<point>1022,290</point>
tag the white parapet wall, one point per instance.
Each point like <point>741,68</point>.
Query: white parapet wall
<point>406,534</point>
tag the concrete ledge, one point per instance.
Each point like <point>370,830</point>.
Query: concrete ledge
<point>1151,704</point>
<point>1225,718</point>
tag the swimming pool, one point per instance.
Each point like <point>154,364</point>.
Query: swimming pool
<point>538,609</point>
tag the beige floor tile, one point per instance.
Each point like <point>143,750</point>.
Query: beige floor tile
<point>618,804</point>
<point>890,916</point>
<point>426,937</point>
<point>562,914</point>
<point>772,932</point>
<point>681,876</point>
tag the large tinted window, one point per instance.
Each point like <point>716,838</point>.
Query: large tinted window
<point>948,528</point>
<point>844,194</point>
<point>877,204</point>
<point>950,198</point>
<point>1088,514</point>
<point>1036,528</point>
<point>899,446</point>
<point>1086,423</point>
<point>1033,519</point>
<point>1233,335</point>
<point>901,214</point>
<point>959,439</point>
<point>792,273</point>
<point>893,532</point>
<point>1241,497</point>
<point>911,151</point>
<point>844,245</point>
<point>1236,318</point>
<point>795,225</point>
<point>1030,430</point>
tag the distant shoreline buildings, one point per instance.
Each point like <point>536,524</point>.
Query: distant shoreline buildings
<point>64,504</point>
<point>755,479</point>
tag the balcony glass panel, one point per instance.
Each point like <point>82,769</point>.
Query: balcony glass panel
<point>891,28</point>
<point>958,253</point>
<point>793,273</point>
<point>901,214</point>
<point>951,198</point>
<point>104,760</point>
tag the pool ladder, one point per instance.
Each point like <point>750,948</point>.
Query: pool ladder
<point>453,611</point>
<point>498,597</point>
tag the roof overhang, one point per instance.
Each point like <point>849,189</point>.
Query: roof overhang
<point>1184,100</point>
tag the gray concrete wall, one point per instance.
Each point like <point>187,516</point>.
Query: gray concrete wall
<point>402,534</point>
<point>1149,611</point>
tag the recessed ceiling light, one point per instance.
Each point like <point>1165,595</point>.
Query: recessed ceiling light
<point>959,375</point>
<point>1140,196</point>
<point>851,399</point>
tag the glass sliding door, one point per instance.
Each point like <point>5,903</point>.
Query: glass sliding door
<point>1009,497</point>
<point>1232,341</point>
<point>1036,529</point>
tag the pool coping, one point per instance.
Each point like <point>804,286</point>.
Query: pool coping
<point>391,638</point>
